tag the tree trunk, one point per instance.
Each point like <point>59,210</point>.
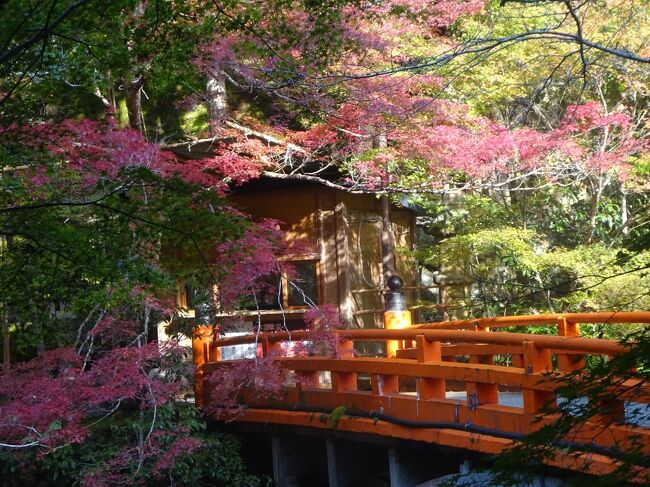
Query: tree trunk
<point>387,238</point>
<point>133,94</point>
<point>597,186</point>
<point>217,103</point>
<point>624,214</point>
<point>6,351</point>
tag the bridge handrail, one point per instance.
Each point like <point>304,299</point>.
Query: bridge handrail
<point>603,317</point>
<point>430,368</point>
<point>574,344</point>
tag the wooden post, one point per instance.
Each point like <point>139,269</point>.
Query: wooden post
<point>200,355</point>
<point>344,381</point>
<point>536,362</point>
<point>307,378</point>
<point>269,348</point>
<point>567,362</point>
<point>343,265</point>
<point>484,393</point>
<point>384,385</point>
<point>328,248</point>
<point>346,349</point>
<point>428,387</point>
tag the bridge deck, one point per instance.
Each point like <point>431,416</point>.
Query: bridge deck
<point>425,394</point>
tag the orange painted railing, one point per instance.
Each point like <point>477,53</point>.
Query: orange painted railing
<point>409,396</point>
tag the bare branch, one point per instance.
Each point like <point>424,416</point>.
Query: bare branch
<point>41,34</point>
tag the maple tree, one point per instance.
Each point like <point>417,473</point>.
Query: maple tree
<point>94,218</point>
<point>88,232</point>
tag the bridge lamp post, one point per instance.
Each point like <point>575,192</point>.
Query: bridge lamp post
<point>396,315</point>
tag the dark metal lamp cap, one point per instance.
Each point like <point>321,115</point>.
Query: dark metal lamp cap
<point>395,283</point>
<point>395,299</point>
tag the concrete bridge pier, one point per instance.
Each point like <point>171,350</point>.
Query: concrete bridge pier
<point>297,458</point>
<point>300,461</point>
<point>405,470</point>
<point>352,463</point>
<point>314,461</point>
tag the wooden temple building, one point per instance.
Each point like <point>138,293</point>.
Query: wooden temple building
<point>341,240</point>
<point>342,232</point>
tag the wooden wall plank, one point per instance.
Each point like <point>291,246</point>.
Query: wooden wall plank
<point>343,264</point>
<point>327,247</point>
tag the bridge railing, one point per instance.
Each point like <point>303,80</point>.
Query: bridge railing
<point>413,388</point>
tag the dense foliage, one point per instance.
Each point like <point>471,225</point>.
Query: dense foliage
<point>519,128</point>
<point>96,233</point>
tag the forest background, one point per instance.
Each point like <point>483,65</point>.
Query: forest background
<point>518,128</point>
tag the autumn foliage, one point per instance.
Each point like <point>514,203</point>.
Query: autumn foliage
<point>98,223</point>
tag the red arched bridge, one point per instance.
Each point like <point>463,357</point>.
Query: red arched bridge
<point>443,385</point>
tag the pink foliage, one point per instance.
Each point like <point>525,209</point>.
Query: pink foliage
<point>448,11</point>
<point>448,140</point>
<point>182,445</point>
<point>217,55</point>
<point>261,378</point>
<point>99,150</point>
<point>607,139</point>
<point>592,115</point>
<point>49,399</point>
<point>373,174</point>
<point>264,377</point>
<point>243,262</point>
<point>111,328</point>
<point>216,172</point>
<point>160,448</point>
<point>38,177</point>
<point>316,137</point>
<point>418,125</point>
<point>322,323</point>
<point>87,152</point>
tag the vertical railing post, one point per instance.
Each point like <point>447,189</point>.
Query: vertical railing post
<point>537,361</point>
<point>307,378</point>
<point>346,348</point>
<point>201,339</point>
<point>518,360</point>
<point>396,316</point>
<point>429,387</point>
<point>345,381</point>
<point>213,352</point>
<point>270,349</point>
<point>483,393</point>
<point>612,410</point>
<point>384,385</point>
<point>568,362</point>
